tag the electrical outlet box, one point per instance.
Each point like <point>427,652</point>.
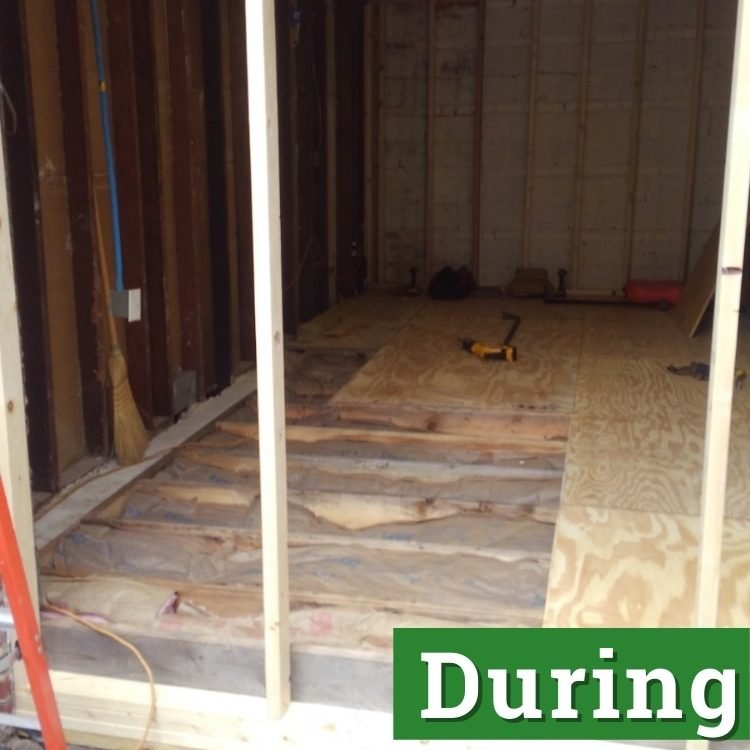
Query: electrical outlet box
<point>126,303</point>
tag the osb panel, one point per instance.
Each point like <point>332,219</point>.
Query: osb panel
<point>425,364</point>
<point>613,568</point>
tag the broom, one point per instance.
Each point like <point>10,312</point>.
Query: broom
<point>131,437</point>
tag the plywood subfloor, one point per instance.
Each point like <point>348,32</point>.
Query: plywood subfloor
<point>425,365</point>
<point>367,322</point>
<point>626,543</point>
<point>619,568</point>
<point>374,375</point>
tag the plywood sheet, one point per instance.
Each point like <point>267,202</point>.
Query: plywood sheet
<point>635,333</point>
<point>624,387</point>
<point>700,286</point>
<point>366,322</point>
<point>614,568</point>
<point>635,464</point>
<point>636,439</point>
<point>426,366</point>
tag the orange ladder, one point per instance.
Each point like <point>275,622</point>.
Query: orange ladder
<point>21,617</point>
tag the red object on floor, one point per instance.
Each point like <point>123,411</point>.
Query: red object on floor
<point>653,292</point>
<point>24,620</point>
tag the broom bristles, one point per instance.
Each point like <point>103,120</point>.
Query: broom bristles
<point>131,437</point>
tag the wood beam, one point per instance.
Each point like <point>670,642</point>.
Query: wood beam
<point>292,288</point>
<point>410,445</point>
<point>382,10</point>
<point>369,110</point>
<point>476,204</point>
<point>124,103</point>
<point>151,181</point>
<point>242,192</point>
<point>20,174</point>
<point>264,149</point>
<point>230,179</point>
<point>183,124</point>
<point>580,169</point>
<point>14,456</point>
<point>78,179</point>
<point>635,133</point>
<point>695,115</point>
<point>528,203</point>
<point>429,198</point>
<point>213,92</point>
<point>349,148</point>
<point>331,161</point>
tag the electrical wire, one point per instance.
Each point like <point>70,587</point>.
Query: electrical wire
<point>128,645</point>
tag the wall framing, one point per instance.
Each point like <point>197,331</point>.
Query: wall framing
<point>79,693</point>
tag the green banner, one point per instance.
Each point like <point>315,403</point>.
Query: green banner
<point>615,684</point>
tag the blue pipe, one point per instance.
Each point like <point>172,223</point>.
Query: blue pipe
<point>110,154</point>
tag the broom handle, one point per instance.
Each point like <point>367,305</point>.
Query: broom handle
<point>101,71</point>
<point>105,274</point>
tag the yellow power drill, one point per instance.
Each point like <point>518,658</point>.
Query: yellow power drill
<point>505,352</point>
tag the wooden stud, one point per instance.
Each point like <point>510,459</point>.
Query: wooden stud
<point>368,127</point>
<point>14,456</point>
<point>78,179</point>
<point>23,198</point>
<point>695,114</point>
<point>191,313</point>
<point>213,91</point>
<point>264,149</point>
<point>151,170</point>
<point>409,445</point>
<point>227,97</point>
<point>580,170</point>
<point>476,206</point>
<point>635,133</point>
<point>242,197</point>
<point>170,260</point>
<point>726,320</point>
<point>381,136</point>
<point>292,287</point>
<point>528,204</point>
<point>429,198</point>
<point>126,136</point>
<point>331,166</point>
<point>350,147</point>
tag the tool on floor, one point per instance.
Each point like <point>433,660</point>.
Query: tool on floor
<point>505,352</point>
<point>702,370</point>
<point>21,618</point>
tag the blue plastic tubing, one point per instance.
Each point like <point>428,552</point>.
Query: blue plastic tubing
<point>110,154</point>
